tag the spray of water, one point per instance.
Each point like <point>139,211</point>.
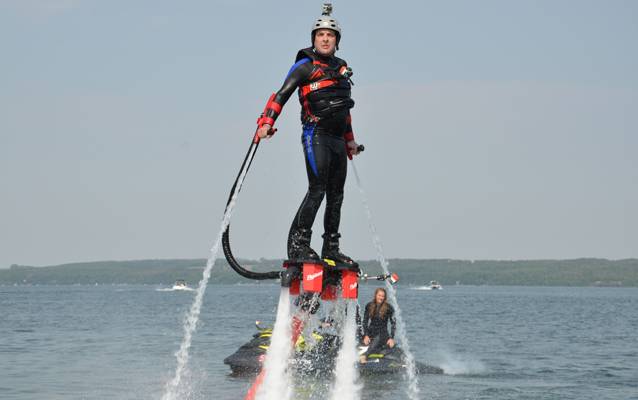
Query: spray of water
<point>458,364</point>
<point>276,384</point>
<point>413,383</point>
<point>172,390</point>
<point>346,386</point>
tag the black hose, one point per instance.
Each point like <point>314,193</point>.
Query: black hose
<point>234,264</point>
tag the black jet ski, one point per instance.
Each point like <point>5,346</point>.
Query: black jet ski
<point>316,355</point>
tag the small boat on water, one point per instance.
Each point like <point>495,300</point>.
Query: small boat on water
<point>180,284</point>
<point>434,285</point>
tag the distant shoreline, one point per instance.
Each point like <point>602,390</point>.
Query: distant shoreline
<point>413,272</point>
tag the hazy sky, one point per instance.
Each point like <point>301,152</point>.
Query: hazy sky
<point>493,129</point>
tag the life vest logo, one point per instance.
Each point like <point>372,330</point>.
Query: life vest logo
<point>353,286</point>
<point>312,277</point>
<point>314,86</point>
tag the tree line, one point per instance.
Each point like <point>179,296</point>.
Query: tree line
<point>576,272</point>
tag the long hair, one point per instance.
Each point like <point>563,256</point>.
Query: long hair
<point>375,309</point>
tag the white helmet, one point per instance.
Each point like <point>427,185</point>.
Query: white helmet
<point>326,21</point>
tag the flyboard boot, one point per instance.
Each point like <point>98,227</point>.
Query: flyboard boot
<point>330,250</point>
<point>299,245</point>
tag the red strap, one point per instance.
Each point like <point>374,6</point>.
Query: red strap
<point>270,105</point>
<point>265,120</point>
<point>316,86</point>
<point>273,105</point>
<point>348,136</point>
<point>316,74</point>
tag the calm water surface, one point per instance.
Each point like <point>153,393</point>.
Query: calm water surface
<point>117,342</point>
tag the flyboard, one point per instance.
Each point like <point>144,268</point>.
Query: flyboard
<point>309,280</point>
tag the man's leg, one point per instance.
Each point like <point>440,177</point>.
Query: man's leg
<point>317,157</point>
<point>334,200</point>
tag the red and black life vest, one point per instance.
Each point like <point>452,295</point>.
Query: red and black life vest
<point>326,93</point>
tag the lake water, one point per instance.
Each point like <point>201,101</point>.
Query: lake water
<point>117,342</point>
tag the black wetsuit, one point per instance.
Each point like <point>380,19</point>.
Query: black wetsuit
<point>324,94</point>
<point>376,327</point>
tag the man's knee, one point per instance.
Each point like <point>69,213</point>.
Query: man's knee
<point>317,191</point>
<point>335,196</point>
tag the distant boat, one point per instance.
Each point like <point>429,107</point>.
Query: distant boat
<point>180,284</point>
<point>434,285</point>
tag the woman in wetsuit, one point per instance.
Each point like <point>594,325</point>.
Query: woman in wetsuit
<point>323,85</point>
<point>376,316</point>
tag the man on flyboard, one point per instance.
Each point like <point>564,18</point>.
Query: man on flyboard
<point>323,83</point>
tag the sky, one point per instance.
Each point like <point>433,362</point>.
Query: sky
<point>493,129</point>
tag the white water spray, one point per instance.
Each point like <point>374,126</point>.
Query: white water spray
<point>276,384</point>
<point>458,364</point>
<point>173,390</point>
<point>413,382</point>
<point>346,386</point>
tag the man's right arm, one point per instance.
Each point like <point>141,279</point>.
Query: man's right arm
<point>296,76</point>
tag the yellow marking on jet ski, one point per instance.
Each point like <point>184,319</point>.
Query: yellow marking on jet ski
<point>375,356</point>
<point>300,344</point>
<point>265,335</point>
<point>330,262</point>
<point>262,346</point>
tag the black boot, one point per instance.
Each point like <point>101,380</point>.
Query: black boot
<point>331,250</point>
<point>299,245</point>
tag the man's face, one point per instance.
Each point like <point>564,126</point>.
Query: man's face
<point>379,297</point>
<point>325,42</point>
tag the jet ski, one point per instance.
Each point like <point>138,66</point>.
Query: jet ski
<point>317,354</point>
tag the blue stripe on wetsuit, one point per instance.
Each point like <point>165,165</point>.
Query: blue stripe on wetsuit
<point>297,64</point>
<point>308,129</point>
<point>308,134</point>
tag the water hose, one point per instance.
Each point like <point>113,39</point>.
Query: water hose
<point>234,264</point>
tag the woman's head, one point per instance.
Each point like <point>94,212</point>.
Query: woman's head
<point>380,296</point>
<point>378,305</point>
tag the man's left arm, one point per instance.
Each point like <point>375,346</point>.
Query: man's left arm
<point>351,144</point>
